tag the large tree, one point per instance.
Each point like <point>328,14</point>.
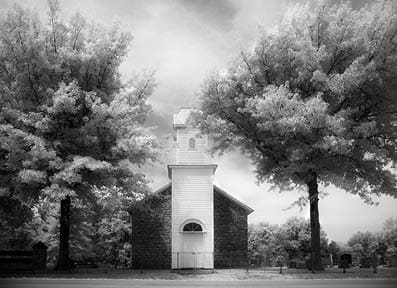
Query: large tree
<point>67,120</point>
<point>314,103</point>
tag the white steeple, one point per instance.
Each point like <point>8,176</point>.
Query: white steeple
<point>191,145</point>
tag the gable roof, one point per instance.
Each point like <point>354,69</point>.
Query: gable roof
<point>216,189</point>
<point>233,199</point>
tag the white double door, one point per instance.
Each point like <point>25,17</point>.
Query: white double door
<point>192,255</point>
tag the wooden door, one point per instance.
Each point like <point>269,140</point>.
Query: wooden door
<point>192,248</point>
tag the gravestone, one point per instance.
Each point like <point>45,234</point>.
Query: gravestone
<point>345,261</point>
<point>39,256</point>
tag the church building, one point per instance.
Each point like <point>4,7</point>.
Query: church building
<point>190,222</point>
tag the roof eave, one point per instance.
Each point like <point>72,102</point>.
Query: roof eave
<point>235,200</point>
<point>169,167</point>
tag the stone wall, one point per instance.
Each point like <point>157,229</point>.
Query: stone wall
<point>151,232</point>
<point>230,233</point>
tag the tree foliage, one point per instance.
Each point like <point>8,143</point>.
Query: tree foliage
<point>270,244</point>
<point>262,244</point>
<point>112,239</point>
<point>381,244</point>
<point>389,236</point>
<point>363,243</point>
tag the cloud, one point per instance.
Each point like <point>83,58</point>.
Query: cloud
<point>218,14</point>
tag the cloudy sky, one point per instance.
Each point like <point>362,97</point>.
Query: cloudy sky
<point>184,41</point>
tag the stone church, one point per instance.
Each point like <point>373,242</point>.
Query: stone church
<point>190,222</point>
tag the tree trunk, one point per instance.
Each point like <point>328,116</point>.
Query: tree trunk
<point>63,256</point>
<point>314,222</point>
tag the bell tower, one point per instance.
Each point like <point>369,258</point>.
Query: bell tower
<point>192,177</point>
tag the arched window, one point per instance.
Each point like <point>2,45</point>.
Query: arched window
<point>192,227</point>
<point>192,143</point>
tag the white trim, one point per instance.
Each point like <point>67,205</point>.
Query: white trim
<point>190,166</point>
<point>194,220</point>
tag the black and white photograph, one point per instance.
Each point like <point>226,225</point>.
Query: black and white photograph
<point>198,143</point>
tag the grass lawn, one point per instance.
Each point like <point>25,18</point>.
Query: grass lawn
<point>329,273</point>
<point>217,274</point>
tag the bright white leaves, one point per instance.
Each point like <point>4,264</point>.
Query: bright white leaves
<point>28,176</point>
<point>58,192</point>
<point>70,174</point>
<point>284,115</point>
<point>291,240</point>
<point>281,112</point>
<point>26,153</point>
<point>114,224</point>
<point>128,111</point>
<point>359,72</point>
<point>123,116</point>
<point>122,119</point>
<point>64,99</point>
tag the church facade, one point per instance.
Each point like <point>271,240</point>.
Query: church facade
<point>190,222</point>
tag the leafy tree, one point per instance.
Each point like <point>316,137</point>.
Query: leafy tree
<point>282,243</point>
<point>389,232</point>
<point>387,240</point>
<point>262,244</point>
<point>376,246</point>
<point>112,240</point>
<point>295,238</point>
<point>74,123</point>
<point>362,243</point>
<point>21,186</point>
<point>314,103</point>
<point>366,245</point>
<point>389,235</point>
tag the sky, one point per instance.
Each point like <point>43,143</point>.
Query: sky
<point>185,41</point>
